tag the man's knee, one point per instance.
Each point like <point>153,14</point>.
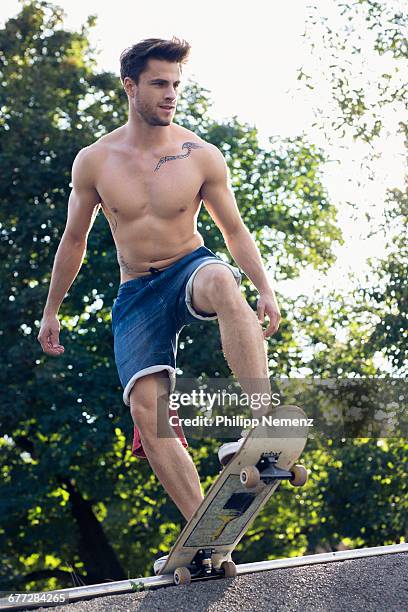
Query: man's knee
<point>216,285</point>
<point>143,412</point>
<point>149,402</point>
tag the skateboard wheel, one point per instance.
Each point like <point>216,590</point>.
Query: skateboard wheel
<point>299,475</point>
<point>250,476</point>
<point>230,569</point>
<point>182,575</point>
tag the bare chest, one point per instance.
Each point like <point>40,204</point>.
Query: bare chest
<point>160,187</point>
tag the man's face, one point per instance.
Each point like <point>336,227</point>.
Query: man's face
<point>155,96</point>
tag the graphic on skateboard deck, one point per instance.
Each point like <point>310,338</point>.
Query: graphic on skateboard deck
<point>245,484</point>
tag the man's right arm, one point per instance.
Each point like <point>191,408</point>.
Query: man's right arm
<point>83,206</point>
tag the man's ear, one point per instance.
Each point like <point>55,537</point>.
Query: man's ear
<point>129,86</point>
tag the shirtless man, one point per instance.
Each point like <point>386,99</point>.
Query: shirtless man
<point>150,177</point>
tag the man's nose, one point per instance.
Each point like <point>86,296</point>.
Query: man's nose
<point>171,94</point>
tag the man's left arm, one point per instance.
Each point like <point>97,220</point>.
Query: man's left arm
<point>220,202</point>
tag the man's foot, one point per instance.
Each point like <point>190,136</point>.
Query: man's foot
<point>229,449</point>
<point>159,564</point>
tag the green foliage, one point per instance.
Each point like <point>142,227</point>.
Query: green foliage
<point>359,30</point>
<point>390,291</point>
<point>137,586</point>
<point>364,31</point>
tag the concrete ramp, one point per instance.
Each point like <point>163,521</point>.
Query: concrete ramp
<point>377,583</point>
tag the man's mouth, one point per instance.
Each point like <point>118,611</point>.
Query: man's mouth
<point>167,107</point>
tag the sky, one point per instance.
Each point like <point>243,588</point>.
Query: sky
<point>248,55</point>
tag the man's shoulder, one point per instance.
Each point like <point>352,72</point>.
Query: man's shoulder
<point>88,156</point>
<point>187,136</point>
<point>101,147</point>
<point>210,159</point>
<point>89,159</point>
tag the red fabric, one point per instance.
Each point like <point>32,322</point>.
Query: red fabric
<point>137,447</point>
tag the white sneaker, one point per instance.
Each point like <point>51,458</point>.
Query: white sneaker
<point>229,449</point>
<point>159,564</point>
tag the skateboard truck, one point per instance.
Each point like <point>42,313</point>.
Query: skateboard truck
<point>202,566</point>
<point>267,470</point>
<point>203,562</point>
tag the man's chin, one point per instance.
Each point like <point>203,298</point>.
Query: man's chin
<point>160,122</point>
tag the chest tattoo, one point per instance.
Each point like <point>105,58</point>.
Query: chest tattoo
<point>186,145</point>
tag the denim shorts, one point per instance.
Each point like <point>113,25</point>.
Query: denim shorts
<point>150,311</point>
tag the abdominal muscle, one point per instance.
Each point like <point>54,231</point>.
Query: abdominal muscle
<point>156,243</point>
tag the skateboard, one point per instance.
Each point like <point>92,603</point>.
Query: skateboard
<point>267,456</point>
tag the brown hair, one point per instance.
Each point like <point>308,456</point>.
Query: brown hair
<point>133,60</point>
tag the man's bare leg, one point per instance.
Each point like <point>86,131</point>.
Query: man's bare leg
<point>169,460</point>
<point>244,348</point>
<point>241,333</point>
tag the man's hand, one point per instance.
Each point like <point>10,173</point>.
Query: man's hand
<point>267,305</point>
<point>49,336</point>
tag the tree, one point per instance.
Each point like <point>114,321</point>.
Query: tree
<point>358,91</point>
<point>389,292</point>
<point>345,333</point>
<point>365,31</point>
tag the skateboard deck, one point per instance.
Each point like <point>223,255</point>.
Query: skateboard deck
<point>233,501</point>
